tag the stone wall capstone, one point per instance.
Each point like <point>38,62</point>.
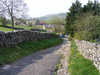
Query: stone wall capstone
<point>90,51</point>
<point>11,39</point>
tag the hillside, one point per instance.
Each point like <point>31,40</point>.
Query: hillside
<point>48,17</point>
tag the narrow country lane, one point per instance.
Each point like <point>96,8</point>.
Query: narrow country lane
<point>40,63</point>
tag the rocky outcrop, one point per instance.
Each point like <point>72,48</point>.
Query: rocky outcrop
<point>11,39</point>
<point>90,51</point>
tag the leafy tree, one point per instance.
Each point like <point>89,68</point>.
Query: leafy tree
<point>57,22</point>
<point>84,22</point>
<point>75,10</point>
<point>3,21</point>
<point>87,27</point>
<point>88,7</point>
<point>92,7</point>
<point>96,7</point>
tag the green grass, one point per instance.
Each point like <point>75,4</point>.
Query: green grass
<point>78,65</point>
<point>28,27</point>
<point>5,29</point>
<point>8,55</point>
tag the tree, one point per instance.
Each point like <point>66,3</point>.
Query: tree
<point>12,8</point>
<point>3,21</point>
<point>74,10</point>
<point>88,7</point>
<point>57,23</point>
<point>93,7</point>
<point>84,22</point>
<point>96,7</point>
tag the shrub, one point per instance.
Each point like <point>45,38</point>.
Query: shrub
<point>69,37</point>
<point>3,21</point>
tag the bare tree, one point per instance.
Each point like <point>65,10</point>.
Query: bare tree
<point>12,8</point>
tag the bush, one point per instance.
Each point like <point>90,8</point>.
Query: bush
<point>3,21</point>
<point>69,37</point>
<point>87,27</point>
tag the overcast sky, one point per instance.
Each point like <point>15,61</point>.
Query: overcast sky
<point>39,8</point>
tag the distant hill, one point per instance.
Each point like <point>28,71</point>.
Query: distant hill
<point>48,17</point>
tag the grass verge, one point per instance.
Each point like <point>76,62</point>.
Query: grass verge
<point>8,55</point>
<point>5,29</point>
<point>28,27</point>
<point>78,65</point>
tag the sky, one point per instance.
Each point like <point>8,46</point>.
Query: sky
<point>38,8</point>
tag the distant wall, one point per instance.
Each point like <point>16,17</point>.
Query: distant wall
<point>11,39</point>
<point>90,51</point>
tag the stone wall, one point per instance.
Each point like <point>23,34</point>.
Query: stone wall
<point>90,51</point>
<point>11,39</point>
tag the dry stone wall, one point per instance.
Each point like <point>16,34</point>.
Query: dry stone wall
<point>90,51</point>
<point>11,39</point>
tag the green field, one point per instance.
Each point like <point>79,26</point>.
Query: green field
<point>28,27</point>
<point>5,29</point>
<point>20,26</point>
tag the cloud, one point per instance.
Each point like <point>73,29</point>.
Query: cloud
<point>43,7</point>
